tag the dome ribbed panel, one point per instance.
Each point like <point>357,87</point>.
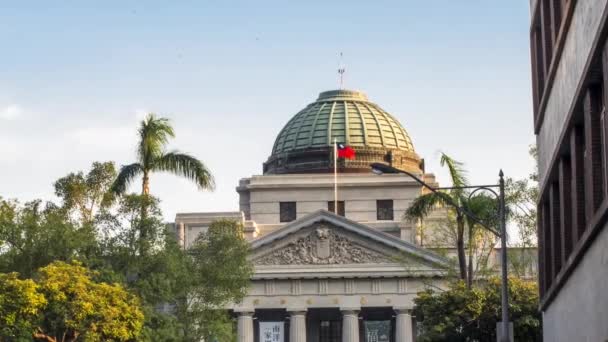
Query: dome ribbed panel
<point>346,116</point>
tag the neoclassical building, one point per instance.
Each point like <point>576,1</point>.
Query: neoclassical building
<point>325,272</point>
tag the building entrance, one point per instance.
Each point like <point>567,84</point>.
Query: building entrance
<point>330,331</point>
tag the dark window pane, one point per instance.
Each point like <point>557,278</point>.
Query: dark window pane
<point>331,205</point>
<point>287,211</point>
<point>330,331</point>
<point>384,209</point>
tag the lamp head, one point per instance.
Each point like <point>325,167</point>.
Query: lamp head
<point>380,168</point>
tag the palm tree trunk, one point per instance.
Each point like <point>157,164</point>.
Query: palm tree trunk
<point>145,184</point>
<point>462,259</point>
<point>143,233</point>
<point>470,274</point>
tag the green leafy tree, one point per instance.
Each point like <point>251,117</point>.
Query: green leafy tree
<point>85,194</point>
<point>470,314</point>
<point>65,303</point>
<point>79,307</point>
<point>450,315</point>
<point>160,277</point>
<point>154,134</point>
<point>34,234</point>
<point>221,275</point>
<point>521,197</point>
<point>21,305</point>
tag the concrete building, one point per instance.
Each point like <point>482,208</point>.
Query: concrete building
<point>570,75</point>
<point>327,271</point>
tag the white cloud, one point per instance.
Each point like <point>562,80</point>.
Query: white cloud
<point>11,112</point>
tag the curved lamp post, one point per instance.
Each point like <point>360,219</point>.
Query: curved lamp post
<point>380,168</point>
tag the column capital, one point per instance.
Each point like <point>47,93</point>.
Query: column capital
<point>350,311</point>
<point>296,311</point>
<point>243,312</point>
<point>403,310</point>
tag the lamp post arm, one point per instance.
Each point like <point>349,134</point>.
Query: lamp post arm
<point>451,202</point>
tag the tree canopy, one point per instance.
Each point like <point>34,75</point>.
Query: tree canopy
<point>154,135</point>
<point>470,314</point>
<point>64,303</point>
<point>114,243</point>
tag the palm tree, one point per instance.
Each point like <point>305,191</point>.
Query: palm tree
<point>423,205</point>
<point>154,134</point>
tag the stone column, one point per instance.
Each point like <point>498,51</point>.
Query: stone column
<point>245,327</point>
<point>297,326</point>
<point>350,326</point>
<point>404,331</point>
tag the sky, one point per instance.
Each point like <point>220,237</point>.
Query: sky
<point>77,77</point>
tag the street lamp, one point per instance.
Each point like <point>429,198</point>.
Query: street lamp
<point>380,168</point>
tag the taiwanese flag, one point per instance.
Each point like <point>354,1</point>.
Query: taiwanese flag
<point>345,151</point>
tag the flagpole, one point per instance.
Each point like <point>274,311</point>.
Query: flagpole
<point>335,176</point>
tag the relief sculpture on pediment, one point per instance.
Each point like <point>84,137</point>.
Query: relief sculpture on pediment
<point>321,246</point>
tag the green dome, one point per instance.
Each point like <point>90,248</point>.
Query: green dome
<point>349,117</point>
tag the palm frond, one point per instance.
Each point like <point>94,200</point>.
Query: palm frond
<point>184,165</point>
<point>125,177</point>
<point>423,205</point>
<point>154,134</point>
<point>457,172</point>
<point>484,208</point>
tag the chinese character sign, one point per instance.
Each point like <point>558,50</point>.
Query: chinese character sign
<point>271,331</point>
<point>377,331</point>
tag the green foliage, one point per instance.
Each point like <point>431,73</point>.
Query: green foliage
<point>190,285</point>
<point>85,194</point>
<point>77,306</point>
<point>221,248</point>
<point>422,206</point>
<point>154,135</point>
<point>178,295</point>
<point>521,198</point>
<point>463,314</point>
<point>32,236</point>
<point>459,203</point>
<point>220,275</point>
<point>20,307</point>
<point>65,303</point>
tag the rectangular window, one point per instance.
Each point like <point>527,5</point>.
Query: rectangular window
<point>384,210</point>
<point>332,204</point>
<point>539,61</point>
<point>577,150</point>
<point>556,238</point>
<point>287,211</point>
<point>565,210</point>
<point>594,175</point>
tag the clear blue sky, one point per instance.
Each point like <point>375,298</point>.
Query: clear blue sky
<point>75,77</point>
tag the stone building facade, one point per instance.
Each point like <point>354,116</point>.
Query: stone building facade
<point>327,271</point>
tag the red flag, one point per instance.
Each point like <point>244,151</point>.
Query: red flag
<point>345,151</point>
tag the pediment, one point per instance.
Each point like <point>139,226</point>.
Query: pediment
<point>323,239</point>
<point>321,244</point>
